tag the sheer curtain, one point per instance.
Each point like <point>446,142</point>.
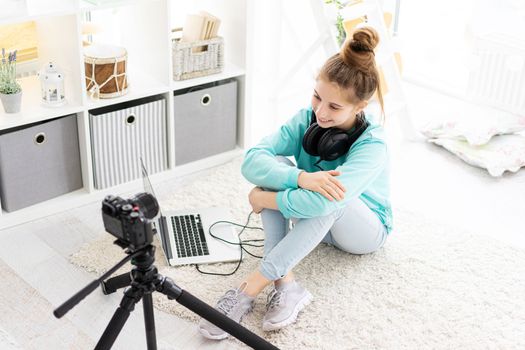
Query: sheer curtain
<point>285,50</point>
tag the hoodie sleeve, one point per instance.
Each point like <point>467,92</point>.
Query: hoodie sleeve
<point>364,163</point>
<point>260,165</point>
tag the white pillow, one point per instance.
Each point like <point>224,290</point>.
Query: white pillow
<point>504,152</point>
<point>476,130</point>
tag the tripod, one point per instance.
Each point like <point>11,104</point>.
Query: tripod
<point>142,281</point>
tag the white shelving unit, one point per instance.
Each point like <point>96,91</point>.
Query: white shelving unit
<point>143,27</point>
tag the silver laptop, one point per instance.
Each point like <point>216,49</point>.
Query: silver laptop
<point>185,234</point>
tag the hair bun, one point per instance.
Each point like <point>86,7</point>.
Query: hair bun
<point>364,40</point>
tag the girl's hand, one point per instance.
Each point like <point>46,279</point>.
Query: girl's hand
<point>323,182</point>
<point>252,197</point>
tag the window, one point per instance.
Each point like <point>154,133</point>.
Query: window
<point>441,38</point>
<point>23,38</point>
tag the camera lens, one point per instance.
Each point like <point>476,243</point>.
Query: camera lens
<point>147,203</point>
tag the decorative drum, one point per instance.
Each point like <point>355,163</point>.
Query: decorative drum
<point>105,68</point>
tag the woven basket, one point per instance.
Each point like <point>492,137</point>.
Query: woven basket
<point>197,59</point>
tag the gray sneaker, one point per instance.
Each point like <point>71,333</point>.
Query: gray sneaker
<point>234,304</point>
<point>284,304</point>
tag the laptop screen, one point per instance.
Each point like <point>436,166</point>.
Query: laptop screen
<point>158,222</point>
<point>148,188</point>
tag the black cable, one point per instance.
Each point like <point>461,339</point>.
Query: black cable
<point>241,243</point>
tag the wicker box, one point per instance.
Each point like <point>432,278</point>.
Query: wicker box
<point>197,59</point>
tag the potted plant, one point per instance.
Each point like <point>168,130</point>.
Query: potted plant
<point>10,89</point>
<point>340,30</point>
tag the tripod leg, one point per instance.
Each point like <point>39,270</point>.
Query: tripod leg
<point>114,283</point>
<point>149,321</point>
<point>131,297</point>
<point>169,288</point>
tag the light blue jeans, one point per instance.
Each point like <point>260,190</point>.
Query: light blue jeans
<point>354,229</point>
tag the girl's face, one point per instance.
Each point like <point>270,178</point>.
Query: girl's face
<point>332,108</point>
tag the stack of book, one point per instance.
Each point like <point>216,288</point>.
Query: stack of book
<point>201,26</point>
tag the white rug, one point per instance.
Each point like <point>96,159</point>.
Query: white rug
<point>430,286</point>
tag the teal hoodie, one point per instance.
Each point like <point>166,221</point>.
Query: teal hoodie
<point>364,171</point>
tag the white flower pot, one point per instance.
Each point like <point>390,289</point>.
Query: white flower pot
<point>11,102</point>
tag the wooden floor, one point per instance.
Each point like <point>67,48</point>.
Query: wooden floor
<point>36,276</point>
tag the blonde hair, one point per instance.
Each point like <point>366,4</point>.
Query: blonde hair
<point>354,67</point>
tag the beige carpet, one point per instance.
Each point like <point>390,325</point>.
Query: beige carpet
<point>430,286</point>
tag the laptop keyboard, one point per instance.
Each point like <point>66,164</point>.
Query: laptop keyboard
<point>189,236</point>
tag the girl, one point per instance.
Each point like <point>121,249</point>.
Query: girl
<point>338,193</point>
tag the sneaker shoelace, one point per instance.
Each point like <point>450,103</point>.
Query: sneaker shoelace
<point>275,298</point>
<point>227,302</point>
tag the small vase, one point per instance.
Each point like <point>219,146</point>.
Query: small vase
<point>11,102</point>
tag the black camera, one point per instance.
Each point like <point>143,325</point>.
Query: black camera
<point>129,219</point>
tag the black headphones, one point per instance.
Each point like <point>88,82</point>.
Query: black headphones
<point>331,143</point>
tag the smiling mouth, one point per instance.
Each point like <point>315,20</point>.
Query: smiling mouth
<point>323,120</point>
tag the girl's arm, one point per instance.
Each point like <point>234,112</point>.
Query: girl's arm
<point>260,199</point>
<point>365,162</point>
<point>260,166</point>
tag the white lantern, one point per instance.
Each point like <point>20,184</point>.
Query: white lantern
<point>52,85</point>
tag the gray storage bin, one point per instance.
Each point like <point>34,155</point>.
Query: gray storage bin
<point>205,121</point>
<point>121,134</point>
<point>39,162</point>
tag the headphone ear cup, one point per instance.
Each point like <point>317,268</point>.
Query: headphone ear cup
<point>311,139</point>
<point>333,144</point>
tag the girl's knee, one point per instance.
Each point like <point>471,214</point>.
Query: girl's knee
<point>360,245</point>
<point>368,250</point>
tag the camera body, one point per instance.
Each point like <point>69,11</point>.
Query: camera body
<point>129,219</point>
